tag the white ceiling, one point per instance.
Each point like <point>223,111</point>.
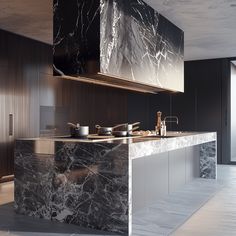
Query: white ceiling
<point>209,25</point>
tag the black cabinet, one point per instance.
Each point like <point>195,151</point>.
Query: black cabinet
<point>21,60</point>
<point>125,40</point>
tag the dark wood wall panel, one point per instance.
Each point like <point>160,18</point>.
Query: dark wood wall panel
<point>27,85</point>
<point>19,82</point>
<point>85,104</point>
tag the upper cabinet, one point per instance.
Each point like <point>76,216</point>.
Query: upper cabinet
<point>118,42</point>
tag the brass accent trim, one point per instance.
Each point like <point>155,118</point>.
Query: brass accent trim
<point>116,82</point>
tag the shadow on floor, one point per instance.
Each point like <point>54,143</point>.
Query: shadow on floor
<point>19,225</point>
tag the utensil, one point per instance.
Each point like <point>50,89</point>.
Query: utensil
<point>72,125</point>
<point>121,126</point>
<point>107,130</point>
<point>120,133</point>
<point>103,130</point>
<point>130,130</point>
<point>126,126</point>
<point>123,133</point>
<point>78,131</point>
<point>136,123</point>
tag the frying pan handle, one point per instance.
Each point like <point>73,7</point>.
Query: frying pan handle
<point>135,128</point>
<point>72,125</point>
<point>120,125</point>
<point>136,123</point>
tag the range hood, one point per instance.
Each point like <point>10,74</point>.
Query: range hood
<point>117,43</point>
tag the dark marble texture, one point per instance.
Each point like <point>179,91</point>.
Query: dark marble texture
<point>76,37</point>
<point>121,38</point>
<point>208,160</point>
<point>140,44</point>
<point>90,183</point>
<point>82,184</point>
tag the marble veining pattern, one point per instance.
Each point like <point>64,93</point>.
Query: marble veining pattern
<point>83,184</point>
<point>208,160</point>
<point>142,44</point>
<point>208,150</point>
<point>90,184</point>
<point>147,148</point>
<point>76,33</point>
<point>120,38</point>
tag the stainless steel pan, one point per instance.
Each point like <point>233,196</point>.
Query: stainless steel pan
<point>107,130</point>
<point>103,130</point>
<point>78,131</point>
<point>123,133</point>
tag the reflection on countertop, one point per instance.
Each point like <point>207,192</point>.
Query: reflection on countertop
<point>126,140</point>
<point>138,146</point>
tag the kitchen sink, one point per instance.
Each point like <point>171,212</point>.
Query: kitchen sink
<point>170,134</point>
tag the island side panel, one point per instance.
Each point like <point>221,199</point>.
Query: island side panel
<point>81,183</point>
<point>208,160</point>
<point>33,180</point>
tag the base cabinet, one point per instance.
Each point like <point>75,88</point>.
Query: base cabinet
<point>150,179</point>
<point>177,167</point>
<point>192,166</point>
<point>158,175</point>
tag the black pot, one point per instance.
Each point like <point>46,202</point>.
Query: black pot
<point>103,130</point>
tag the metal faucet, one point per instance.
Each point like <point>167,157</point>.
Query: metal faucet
<point>171,119</point>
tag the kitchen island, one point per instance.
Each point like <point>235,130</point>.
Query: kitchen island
<point>100,184</point>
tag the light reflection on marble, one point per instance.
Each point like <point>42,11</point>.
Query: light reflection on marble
<point>142,44</point>
<point>120,38</point>
<point>208,150</point>
<point>144,147</point>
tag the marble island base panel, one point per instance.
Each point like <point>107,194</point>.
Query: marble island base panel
<point>82,184</point>
<point>87,184</point>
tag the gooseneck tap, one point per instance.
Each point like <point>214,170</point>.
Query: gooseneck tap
<point>161,125</point>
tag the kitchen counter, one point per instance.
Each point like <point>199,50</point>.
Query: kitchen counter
<point>91,183</point>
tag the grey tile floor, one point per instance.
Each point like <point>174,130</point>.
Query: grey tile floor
<point>173,210</point>
<point>218,216</point>
<point>204,207</point>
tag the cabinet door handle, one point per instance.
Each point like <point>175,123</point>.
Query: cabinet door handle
<point>10,124</point>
